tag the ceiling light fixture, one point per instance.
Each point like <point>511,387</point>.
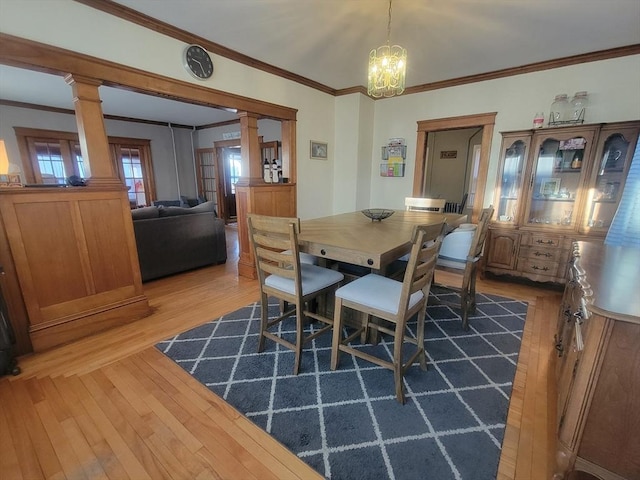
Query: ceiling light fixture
<point>387,68</point>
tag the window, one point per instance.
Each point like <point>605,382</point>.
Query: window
<point>135,168</point>
<point>50,162</point>
<point>51,156</point>
<point>625,228</point>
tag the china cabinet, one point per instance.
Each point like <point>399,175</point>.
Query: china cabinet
<point>555,186</point>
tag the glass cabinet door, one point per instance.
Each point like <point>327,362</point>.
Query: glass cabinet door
<point>613,158</point>
<point>510,176</point>
<point>556,179</point>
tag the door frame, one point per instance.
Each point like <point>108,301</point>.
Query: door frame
<point>484,120</point>
<point>221,171</point>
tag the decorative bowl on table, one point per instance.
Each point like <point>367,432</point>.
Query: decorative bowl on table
<point>378,214</point>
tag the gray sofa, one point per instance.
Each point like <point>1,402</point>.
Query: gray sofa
<point>175,239</point>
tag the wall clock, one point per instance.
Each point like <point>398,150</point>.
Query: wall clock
<point>197,62</point>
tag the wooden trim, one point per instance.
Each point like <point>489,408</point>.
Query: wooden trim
<point>151,23</point>
<point>484,120</point>
<point>464,121</point>
<point>218,124</point>
<point>530,68</point>
<point>156,25</point>
<point>45,133</point>
<point>66,111</point>
<point>350,90</point>
<point>25,53</point>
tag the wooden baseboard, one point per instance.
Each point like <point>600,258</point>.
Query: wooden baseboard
<point>82,326</point>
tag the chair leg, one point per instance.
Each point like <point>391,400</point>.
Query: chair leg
<point>398,341</point>
<point>420,338</point>
<point>472,290</point>
<point>264,318</point>
<point>300,324</point>
<point>337,333</point>
<point>464,304</point>
<point>366,318</point>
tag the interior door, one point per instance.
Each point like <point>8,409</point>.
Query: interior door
<point>232,161</point>
<point>206,174</point>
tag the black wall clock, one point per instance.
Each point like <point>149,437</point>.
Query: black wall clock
<point>198,62</point>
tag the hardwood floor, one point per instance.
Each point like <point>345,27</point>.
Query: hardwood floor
<point>112,407</point>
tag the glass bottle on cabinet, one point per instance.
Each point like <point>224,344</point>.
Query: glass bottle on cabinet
<point>557,176</point>
<point>515,148</point>
<point>612,161</point>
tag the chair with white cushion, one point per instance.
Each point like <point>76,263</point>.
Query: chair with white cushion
<point>461,253</point>
<point>416,204</point>
<point>394,302</point>
<point>282,275</point>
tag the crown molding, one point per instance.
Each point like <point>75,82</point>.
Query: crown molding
<point>156,25</point>
<point>151,23</point>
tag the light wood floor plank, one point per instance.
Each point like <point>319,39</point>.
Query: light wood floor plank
<point>125,410</point>
<point>179,406</point>
<point>133,429</point>
<point>9,461</point>
<point>39,458</point>
<point>235,448</point>
<point>276,458</point>
<point>105,456</point>
<point>110,423</point>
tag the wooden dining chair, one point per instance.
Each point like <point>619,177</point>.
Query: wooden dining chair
<point>393,301</point>
<point>467,264</point>
<point>282,275</point>
<point>425,204</point>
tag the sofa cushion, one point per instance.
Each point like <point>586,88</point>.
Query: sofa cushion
<point>145,212</point>
<point>167,203</point>
<point>173,211</point>
<point>204,207</point>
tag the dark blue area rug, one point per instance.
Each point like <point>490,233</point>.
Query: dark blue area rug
<point>347,424</point>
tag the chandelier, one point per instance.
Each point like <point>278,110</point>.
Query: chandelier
<point>387,68</point>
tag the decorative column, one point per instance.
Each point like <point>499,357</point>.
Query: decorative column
<point>253,194</point>
<point>252,174</point>
<point>250,150</point>
<point>94,144</point>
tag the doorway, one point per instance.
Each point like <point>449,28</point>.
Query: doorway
<point>232,165</point>
<point>228,160</point>
<point>477,175</point>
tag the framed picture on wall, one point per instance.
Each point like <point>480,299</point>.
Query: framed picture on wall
<point>318,150</point>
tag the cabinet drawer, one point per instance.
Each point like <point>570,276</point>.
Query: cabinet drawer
<point>542,253</point>
<point>537,266</point>
<point>542,240</point>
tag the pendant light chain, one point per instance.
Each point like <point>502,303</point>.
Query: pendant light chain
<point>389,23</point>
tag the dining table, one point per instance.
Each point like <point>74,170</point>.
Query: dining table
<point>355,239</point>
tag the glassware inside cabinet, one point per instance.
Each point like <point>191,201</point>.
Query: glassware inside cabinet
<point>556,181</point>
<point>605,196</point>
<point>511,181</point>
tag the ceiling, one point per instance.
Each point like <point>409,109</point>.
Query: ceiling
<point>328,41</point>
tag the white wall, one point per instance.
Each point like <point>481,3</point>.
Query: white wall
<point>352,171</point>
<point>364,125</point>
<point>105,36</point>
<point>614,95</point>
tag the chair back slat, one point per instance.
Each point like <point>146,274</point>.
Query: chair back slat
<point>477,244</point>
<point>425,204</point>
<point>275,247</point>
<point>426,240</point>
